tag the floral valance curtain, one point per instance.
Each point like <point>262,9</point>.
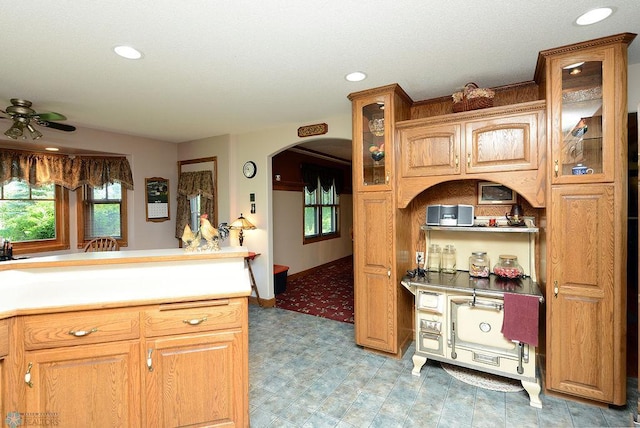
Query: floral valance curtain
<point>70,172</point>
<point>191,184</point>
<point>327,176</point>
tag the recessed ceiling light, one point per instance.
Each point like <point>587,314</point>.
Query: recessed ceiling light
<point>52,149</point>
<point>574,65</point>
<point>594,15</point>
<point>356,76</point>
<point>127,52</point>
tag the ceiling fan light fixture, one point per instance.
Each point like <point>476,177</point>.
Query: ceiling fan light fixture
<point>594,15</point>
<point>35,134</point>
<point>15,131</point>
<point>127,52</point>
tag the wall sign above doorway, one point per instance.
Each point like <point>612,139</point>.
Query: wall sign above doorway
<point>310,130</point>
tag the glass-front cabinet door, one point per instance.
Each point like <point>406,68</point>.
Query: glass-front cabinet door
<point>582,116</point>
<point>375,112</point>
<point>372,151</point>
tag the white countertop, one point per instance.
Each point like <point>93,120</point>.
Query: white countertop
<point>128,277</point>
<point>118,257</point>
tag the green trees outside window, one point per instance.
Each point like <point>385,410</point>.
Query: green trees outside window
<point>104,211</point>
<point>27,213</point>
<point>320,213</point>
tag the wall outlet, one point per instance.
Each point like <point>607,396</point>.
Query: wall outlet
<point>419,257</point>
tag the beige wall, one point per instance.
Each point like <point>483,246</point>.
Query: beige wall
<point>233,151</point>
<point>288,249</point>
<point>633,84</point>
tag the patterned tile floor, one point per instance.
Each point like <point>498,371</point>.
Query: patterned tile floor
<point>306,371</point>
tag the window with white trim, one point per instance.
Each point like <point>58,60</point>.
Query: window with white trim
<point>321,213</point>
<point>103,212</point>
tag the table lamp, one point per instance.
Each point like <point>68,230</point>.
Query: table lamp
<point>241,224</point>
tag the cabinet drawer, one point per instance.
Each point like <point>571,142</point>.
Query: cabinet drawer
<point>4,338</point>
<point>195,317</point>
<point>80,328</point>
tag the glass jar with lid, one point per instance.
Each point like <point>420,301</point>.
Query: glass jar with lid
<point>434,258</point>
<point>479,264</point>
<point>508,267</point>
<point>448,261</point>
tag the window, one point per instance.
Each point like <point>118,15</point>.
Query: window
<point>103,212</point>
<point>321,213</point>
<point>34,218</point>
<point>194,212</point>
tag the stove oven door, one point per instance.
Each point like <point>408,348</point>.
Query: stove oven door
<point>430,321</point>
<point>430,337</point>
<point>475,326</point>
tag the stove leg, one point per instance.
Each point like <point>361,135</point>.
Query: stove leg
<point>533,388</point>
<point>418,362</point>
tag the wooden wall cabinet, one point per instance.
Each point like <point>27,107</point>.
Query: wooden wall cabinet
<point>586,88</point>
<point>499,140</point>
<point>498,144</point>
<point>157,365</point>
<point>383,310</point>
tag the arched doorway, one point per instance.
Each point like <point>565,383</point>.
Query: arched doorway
<point>288,201</point>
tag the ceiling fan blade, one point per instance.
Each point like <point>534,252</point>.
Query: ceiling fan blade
<point>49,116</point>
<point>58,126</point>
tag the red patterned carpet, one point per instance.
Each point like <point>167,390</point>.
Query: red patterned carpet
<point>326,293</point>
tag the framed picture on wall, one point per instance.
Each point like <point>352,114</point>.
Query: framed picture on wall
<point>495,194</point>
<point>157,191</point>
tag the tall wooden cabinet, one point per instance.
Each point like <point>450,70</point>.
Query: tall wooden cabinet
<point>586,90</point>
<point>383,309</point>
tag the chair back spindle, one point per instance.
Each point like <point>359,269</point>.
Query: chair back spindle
<point>103,243</point>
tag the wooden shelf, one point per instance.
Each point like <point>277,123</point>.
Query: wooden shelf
<point>486,229</point>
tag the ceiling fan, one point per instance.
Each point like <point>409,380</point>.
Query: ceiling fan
<point>24,116</point>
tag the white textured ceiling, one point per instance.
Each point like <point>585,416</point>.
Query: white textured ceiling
<point>218,67</point>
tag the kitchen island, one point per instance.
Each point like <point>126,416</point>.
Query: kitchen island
<point>129,338</point>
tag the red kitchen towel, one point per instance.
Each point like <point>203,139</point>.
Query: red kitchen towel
<point>521,318</point>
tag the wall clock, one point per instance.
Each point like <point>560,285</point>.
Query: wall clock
<point>249,169</point>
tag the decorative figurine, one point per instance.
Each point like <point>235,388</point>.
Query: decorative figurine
<point>211,235</point>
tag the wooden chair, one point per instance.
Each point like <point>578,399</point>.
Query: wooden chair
<point>103,243</point>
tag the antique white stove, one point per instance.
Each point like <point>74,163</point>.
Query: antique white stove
<point>458,318</point>
<point>459,321</point>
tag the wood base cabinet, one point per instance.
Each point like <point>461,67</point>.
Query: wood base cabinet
<point>84,386</point>
<point>4,351</point>
<point>163,365</point>
<point>176,395</point>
